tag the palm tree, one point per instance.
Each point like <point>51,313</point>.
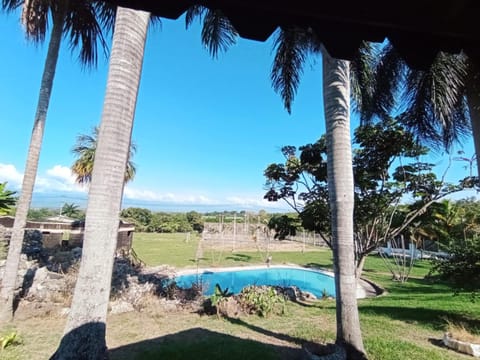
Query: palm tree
<point>84,336</point>
<point>70,210</point>
<point>293,45</point>
<point>336,98</point>
<point>84,150</point>
<point>79,21</point>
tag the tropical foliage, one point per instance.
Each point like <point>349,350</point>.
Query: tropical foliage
<point>440,104</point>
<point>71,210</point>
<point>462,268</point>
<point>7,199</point>
<point>84,151</point>
<point>386,170</point>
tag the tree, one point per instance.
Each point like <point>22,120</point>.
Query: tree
<point>140,217</point>
<point>379,187</point>
<point>7,199</point>
<point>70,210</point>
<point>462,268</point>
<point>283,225</point>
<point>84,336</point>
<point>84,150</point>
<point>336,102</point>
<point>293,46</point>
<point>79,22</point>
<point>196,220</point>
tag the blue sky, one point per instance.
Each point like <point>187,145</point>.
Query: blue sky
<point>205,128</point>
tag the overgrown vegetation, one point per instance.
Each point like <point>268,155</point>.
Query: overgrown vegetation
<point>7,199</point>
<point>262,300</point>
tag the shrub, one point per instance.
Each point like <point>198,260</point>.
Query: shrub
<point>462,268</point>
<point>262,300</point>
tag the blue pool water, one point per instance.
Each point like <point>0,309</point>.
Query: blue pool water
<point>235,280</point>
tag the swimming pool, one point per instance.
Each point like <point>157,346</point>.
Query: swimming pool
<point>315,282</point>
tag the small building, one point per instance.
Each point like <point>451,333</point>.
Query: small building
<point>63,231</point>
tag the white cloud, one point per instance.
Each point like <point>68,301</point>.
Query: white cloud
<point>62,173</point>
<point>58,180</point>
<point>9,173</point>
<point>149,195</point>
<point>257,202</point>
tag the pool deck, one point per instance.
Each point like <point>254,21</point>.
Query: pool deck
<point>365,288</point>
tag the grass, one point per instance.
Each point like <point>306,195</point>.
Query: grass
<point>174,250</point>
<point>407,322</point>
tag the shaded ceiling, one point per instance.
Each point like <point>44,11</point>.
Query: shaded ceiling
<point>417,28</point>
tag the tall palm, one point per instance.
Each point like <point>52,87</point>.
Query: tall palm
<point>81,22</point>
<point>293,45</point>
<point>84,336</point>
<point>84,150</point>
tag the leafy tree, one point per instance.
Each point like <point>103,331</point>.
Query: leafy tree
<point>139,216</point>
<point>71,210</point>
<point>302,182</point>
<point>84,150</point>
<point>283,225</point>
<point>169,223</point>
<point>462,268</point>
<point>81,23</point>
<point>195,219</point>
<point>7,199</point>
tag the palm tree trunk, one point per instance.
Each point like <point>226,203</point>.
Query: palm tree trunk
<point>84,336</point>
<point>336,94</point>
<point>473,100</point>
<point>7,293</point>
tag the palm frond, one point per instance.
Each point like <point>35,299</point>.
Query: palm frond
<point>436,101</point>
<point>192,13</point>
<point>218,33</point>
<point>11,5</point>
<point>291,47</point>
<point>105,14</point>
<point>84,151</point>
<point>362,81</point>
<point>85,32</point>
<point>34,18</point>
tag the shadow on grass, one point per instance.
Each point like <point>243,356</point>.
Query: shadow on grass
<point>422,315</point>
<point>199,343</point>
<point>327,266</point>
<point>263,331</point>
<point>418,286</point>
<point>239,258</point>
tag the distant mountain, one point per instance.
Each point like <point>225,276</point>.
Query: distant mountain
<point>57,199</point>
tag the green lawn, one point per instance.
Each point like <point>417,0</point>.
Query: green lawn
<point>405,323</point>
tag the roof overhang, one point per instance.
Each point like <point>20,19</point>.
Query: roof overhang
<point>419,29</point>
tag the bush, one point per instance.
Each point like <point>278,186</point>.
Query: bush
<point>462,268</point>
<point>262,300</point>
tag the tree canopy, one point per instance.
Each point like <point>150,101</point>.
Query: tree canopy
<point>387,170</point>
